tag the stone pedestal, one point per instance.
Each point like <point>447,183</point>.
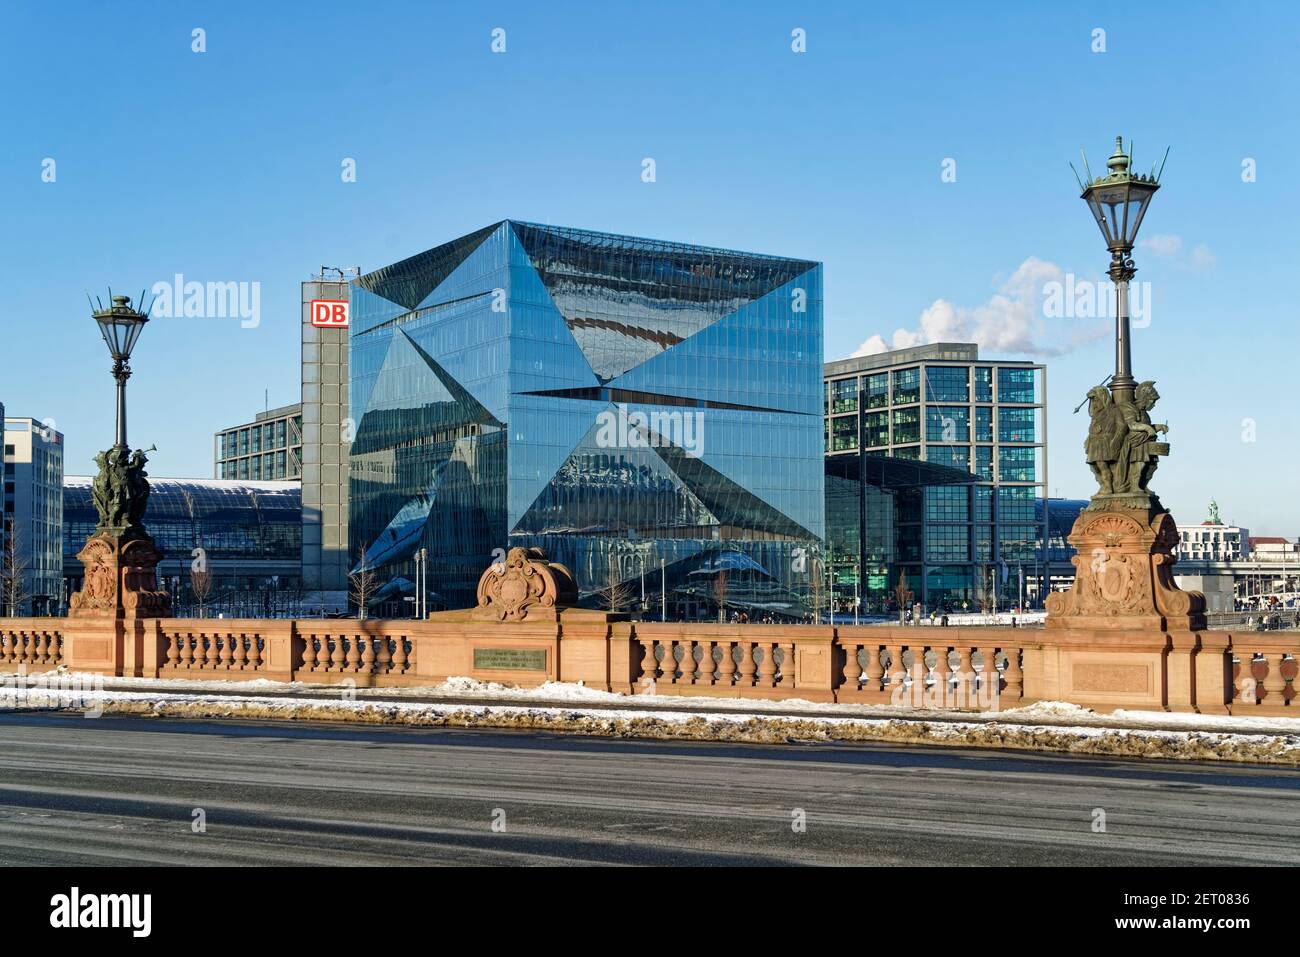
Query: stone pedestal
<point>1124,577</point>
<point>1124,635</point>
<point>119,594</point>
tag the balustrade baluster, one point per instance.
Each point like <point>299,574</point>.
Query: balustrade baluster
<point>767,670</point>
<point>942,685</point>
<point>368,656</point>
<point>668,663</point>
<point>897,670</point>
<point>1013,675</point>
<point>727,666</point>
<point>384,660</point>
<point>647,658</point>
<point>748,666</point>
<point>787,665</point>
<point>875,671</point>
<point>852,666</point>
<point>965,677</point>
<point>707,665</point>
<point>1274,683</point>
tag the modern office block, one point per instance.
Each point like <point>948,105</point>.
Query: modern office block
<point>943,405</point>
<point>33,519</point>
<point>646,412</point>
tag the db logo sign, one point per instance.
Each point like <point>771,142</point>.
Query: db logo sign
<point>330,313</point>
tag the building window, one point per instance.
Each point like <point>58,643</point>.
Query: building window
<point>983,424</point>
<point>907,425</point>
<point>947,503</point>
<point>1015,505</point>
<point>984,462</point>
<point>844,433</point>
<point>1016,464</point>
<point>907,386</point>
<point>953,456</point>
<point>1016,385</point>
<point>877,390</point>
<point>844,395</point>
<point>1016,425</point>
<point>983,384</point>
<point>877,430</point>
<point>946,384</point>
<point>946,423</point>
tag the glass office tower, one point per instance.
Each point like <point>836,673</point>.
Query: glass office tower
<point>940,404</point>
<point>646,412</point>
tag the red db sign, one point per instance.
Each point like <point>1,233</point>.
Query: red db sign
<point>329,313</point>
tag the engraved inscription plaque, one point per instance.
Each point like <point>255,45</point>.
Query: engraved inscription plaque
<point>509,659</point>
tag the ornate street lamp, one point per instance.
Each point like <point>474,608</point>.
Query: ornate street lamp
<point>120,325</point>
<point>1124,587</point>
<point>1118,202</point>
<point>120,557</point>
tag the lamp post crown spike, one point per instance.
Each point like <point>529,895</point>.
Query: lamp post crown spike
<point>1118,161</point>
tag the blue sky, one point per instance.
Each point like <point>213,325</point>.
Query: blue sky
<point>225,166</point>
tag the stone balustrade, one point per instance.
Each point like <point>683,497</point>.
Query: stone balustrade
<point>1261,673</point>
<point>34,643</point>
<point>962,668</point>
<point>958,668</point>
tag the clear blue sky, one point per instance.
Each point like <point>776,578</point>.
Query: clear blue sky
<point>225,166</point>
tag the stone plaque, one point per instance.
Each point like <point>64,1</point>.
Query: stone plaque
<point>1105,677</point>
<point>509,659</point>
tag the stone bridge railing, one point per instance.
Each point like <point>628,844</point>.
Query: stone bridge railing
<point>976,668</point>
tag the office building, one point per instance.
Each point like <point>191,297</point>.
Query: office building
<point>267,449</point>
<point>326,435</point>
<point>940,404</point>
<point>1213,541</point>
<point>646,412</point>
<point>32,560</point>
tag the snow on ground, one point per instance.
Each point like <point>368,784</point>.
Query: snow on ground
<point>1051,725</point>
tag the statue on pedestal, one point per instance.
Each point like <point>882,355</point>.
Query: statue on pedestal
<point>120,558</point>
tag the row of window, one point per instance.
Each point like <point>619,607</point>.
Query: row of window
<point>256,438</point>
<point>942,424</point>
<point>270,466</point>
<point>942,384</point>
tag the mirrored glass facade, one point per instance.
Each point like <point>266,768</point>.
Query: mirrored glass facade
<point>647,412</point>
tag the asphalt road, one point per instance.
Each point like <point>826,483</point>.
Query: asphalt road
<point>124,791</point>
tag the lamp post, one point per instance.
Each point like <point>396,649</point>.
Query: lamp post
<point>121,325</point>
<point>1118,202</point>
<point>120,557</point>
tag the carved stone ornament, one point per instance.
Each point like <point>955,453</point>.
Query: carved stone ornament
<point>120,579</point>
<point>1124,576</point>
<point>508,590</point>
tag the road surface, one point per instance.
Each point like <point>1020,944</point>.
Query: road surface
<point>125,790</point>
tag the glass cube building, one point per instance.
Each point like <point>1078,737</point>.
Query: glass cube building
<point>952,541</point>
<point>646,412</point>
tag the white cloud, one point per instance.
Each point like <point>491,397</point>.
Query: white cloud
<point>1168,246</point>
<point>1011,321</point>
<point>1163,244</point>
<point>1202,259</point>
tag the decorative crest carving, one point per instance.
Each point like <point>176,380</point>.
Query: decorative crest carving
<point>508,590</point>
